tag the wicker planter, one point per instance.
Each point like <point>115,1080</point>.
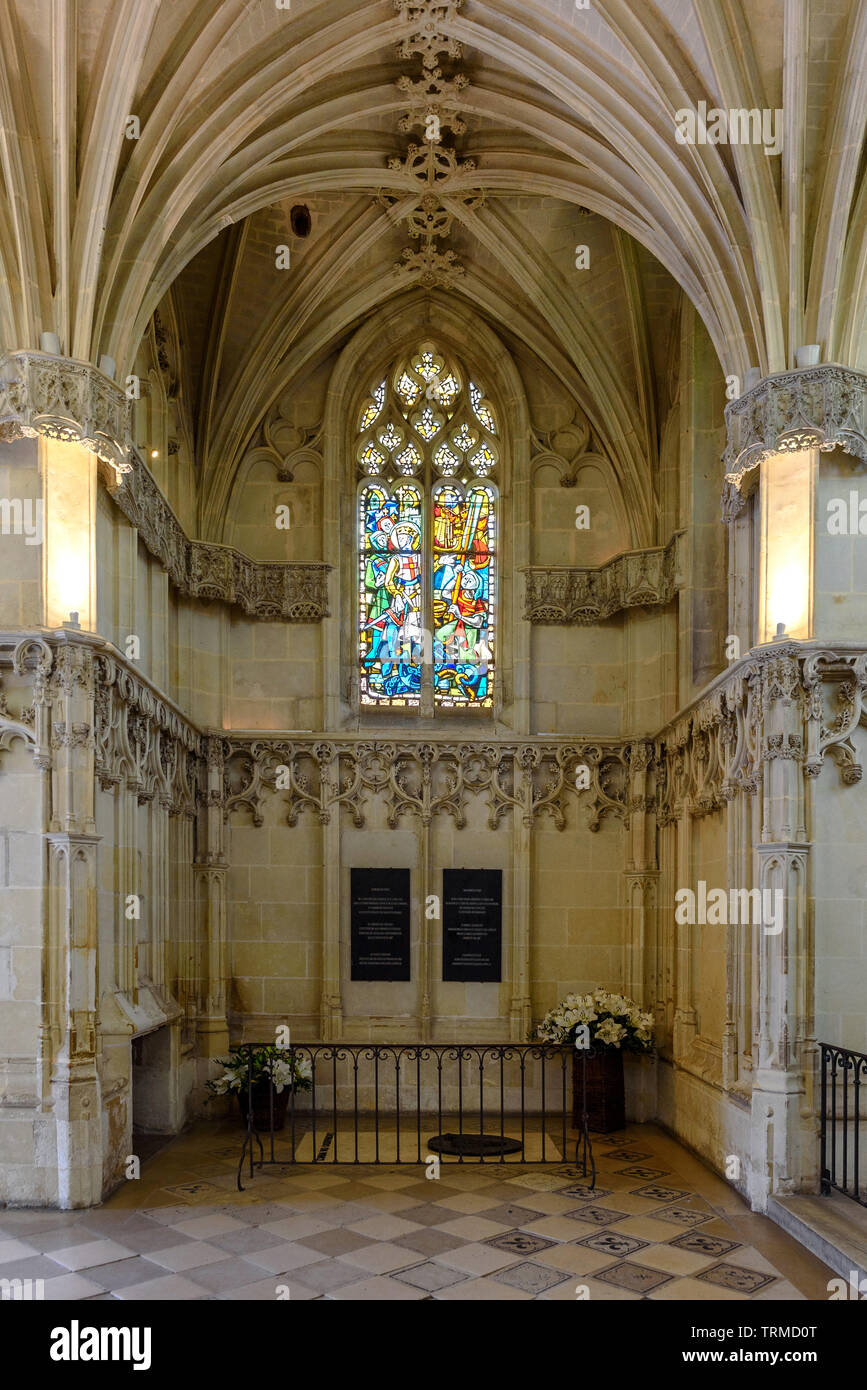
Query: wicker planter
<point>606,1106</point>
<point>262,1106</point>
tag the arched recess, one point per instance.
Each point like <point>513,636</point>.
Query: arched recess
<point>384,336</point>
<point>573,485</point>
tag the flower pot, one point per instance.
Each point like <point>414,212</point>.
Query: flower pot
<point>606,1105</point>
<point>261,1095</point>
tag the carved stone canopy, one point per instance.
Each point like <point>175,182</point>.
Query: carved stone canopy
<point>638,578</point>
<point>820,407</point>
<point>63,399</point>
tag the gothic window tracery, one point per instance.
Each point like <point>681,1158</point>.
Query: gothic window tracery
<point>427,452</point>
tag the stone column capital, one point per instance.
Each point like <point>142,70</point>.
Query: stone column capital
<point>61,398</point>
<point>819,407</point>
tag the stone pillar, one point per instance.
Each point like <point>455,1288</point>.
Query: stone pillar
<point>640,878</point>
<point>211,871</point>
<point>71,947</point>
<point>520,1013</point>
<point>331,1004</point>
<point>780,1085</point>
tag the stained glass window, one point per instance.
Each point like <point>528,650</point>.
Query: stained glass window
<point>390,594</point>
<point>463,548</point>
<point>427,537</point>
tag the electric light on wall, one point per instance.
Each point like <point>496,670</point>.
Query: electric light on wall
<point>786,570</point>
<point>68,550</point>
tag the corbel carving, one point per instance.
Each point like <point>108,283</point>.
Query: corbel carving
<point>63,399</point>
<point>820,407</point>
<point>564,594</point>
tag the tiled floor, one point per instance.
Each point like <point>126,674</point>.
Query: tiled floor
<point>659,1225</point>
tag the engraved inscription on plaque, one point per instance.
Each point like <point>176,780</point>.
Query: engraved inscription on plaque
<point>379,924</point>
<point>472,924</point>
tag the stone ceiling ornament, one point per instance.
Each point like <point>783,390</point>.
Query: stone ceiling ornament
<point>819,407</point>
<point>433,165</point>
<point>427,20</point>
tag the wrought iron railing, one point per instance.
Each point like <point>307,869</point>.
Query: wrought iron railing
<point>844,1072</point>
<point>413,1102</point>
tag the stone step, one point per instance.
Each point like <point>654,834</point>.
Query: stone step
<point>834,1228</point>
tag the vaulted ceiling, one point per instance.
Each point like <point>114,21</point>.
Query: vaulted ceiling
<point>565,136</point>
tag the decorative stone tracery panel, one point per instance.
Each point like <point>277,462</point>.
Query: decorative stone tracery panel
<point>569,594</point>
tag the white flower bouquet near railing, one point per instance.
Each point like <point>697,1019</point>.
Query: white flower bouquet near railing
<point>612,1021</point>
<point>264,1079</point>
<point>268,1063</point>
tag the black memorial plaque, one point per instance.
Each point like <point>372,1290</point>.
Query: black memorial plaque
<point>379,924</point>
<point>472,924</point>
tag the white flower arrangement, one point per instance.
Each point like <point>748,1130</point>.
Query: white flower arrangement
<point>294,1072</point>
<point>612,1020</point>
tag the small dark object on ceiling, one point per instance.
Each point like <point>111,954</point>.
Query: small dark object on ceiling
<point>300,220</point>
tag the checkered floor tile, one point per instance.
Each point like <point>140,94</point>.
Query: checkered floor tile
<point>656,1224</point>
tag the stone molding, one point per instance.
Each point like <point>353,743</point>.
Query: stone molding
<point>72,401</point>
<point>60,398</point>
<point>142,742</point>
<point>423,778</point>
<point>722,746</point>
<point>820,407</point>
<point>636,578</point>
<point>267,591</point>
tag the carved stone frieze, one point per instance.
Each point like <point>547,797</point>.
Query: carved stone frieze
<point>64,399</point>
<point>142,742</point>
<point>266,591</point>
<point>820,407</point>
<point>423,778</point>
<point>638,578</point>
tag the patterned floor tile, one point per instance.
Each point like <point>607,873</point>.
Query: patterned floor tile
<point>683,1216</point>
<point>657,1193</point>
<point>610,1243</point>
<point>520,1243</point>
<point>633,1278</point>
<point>532,1278</point>
<point>597,1216</point>
<point>737,1278</point>
<point>480,1232</point>
<point>701,1244</point>
<point>585,1193</point>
